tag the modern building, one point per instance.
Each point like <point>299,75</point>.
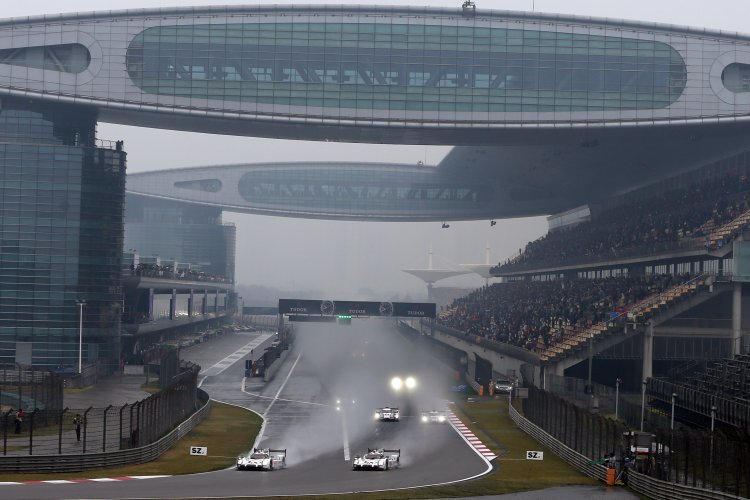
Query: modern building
<point>185,234</point>
<point>61,236</point>
<point>547,113</point>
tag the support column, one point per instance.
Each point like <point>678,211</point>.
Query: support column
<point>736,318</point>
<point>648,350</point>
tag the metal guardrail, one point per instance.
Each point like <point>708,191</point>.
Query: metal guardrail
<point>571,456</point>
<point>655,488</point>
<point>79,462</point>
<point>642,483</point>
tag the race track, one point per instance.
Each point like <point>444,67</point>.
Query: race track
<point>320,407</point>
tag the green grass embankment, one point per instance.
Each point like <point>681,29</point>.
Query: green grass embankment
<point>227,431</point>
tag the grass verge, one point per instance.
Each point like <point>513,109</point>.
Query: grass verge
<point>227,431</point>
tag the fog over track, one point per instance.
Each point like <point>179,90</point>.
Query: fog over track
<point>352,364</point>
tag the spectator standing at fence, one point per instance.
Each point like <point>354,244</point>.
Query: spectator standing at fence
<point>77,425</point>
<point>19,420</point>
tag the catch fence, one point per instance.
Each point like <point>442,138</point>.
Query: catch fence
<point>688,457</point>
<point>29,387</point>
<point>53,431</point>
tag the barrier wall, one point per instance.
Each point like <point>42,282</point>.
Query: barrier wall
<point>642,483</point>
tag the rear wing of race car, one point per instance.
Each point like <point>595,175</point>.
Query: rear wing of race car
<point>281,453</point>
<point>385,451</point>
<point>391,409</point>
<point>392,454</point>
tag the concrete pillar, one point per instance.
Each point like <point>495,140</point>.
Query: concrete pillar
<point>648,350</point>
<point>736,318</point>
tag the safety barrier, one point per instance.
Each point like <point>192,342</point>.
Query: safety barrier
<point>571,456</point>
<point>642,483</point>
<point>655,488</point>
<point>271,370</point>
<point>79,462</point>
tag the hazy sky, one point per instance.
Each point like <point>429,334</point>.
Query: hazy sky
<point>296,254</point>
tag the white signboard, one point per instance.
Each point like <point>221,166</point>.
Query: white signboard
<point>534,455</point>
<point>199,450</point>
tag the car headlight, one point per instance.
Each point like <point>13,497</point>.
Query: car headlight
<point>377,415</point>
<point>424,418</point>
<point>441,418</point>
<point>411,383</point>
<point>397,383</point>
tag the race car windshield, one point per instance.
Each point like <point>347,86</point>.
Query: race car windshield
<point>258,455</point>
<point>371,456</point>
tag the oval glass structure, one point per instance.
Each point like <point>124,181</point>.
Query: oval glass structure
<point>65,58</point>
<point>344,191</point>
<point>736,77</point>
<point>405,67</point>
<point>208,185</point>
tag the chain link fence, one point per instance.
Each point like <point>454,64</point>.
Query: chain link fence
<point>63,431</point>
<point>689,457</point>
<point>28,387</point>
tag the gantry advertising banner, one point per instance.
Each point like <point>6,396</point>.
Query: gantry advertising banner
<point>357,308</point>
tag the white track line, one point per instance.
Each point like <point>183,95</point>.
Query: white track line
<point>235,356</point>
<point>259,437</point>
<point>346,436</point>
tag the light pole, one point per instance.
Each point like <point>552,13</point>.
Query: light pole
<point>711,454</point>
<point>80,304</point>
<point>617,397</point>
<point>671,423</point>
<point>643,404</point>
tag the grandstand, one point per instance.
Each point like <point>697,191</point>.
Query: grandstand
<point>643,292</point>
<point>705,214</point>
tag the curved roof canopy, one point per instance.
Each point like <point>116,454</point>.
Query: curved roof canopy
<point>375,74</point>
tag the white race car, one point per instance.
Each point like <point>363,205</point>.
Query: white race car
<point>262,459</point>
<point>434,417</point>
<point>377,459</point>
<point>387,414</point>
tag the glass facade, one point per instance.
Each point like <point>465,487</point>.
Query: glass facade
<point>61,234</point>
<point>371,191</point>
<point>408,67</point>
<point>181,232</point>
<point>65,58</point>
<point>736,77</point>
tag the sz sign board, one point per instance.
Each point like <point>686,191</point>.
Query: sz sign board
<point>199,450</point>
<point>534,455</point>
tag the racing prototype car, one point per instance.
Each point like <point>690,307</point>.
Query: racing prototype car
<point>377,459</point>
<point>434,417</point>
<point>387,414</point>
<point>262,459</point>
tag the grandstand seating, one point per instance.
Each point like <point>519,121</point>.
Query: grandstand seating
<point>726,231</point>
<point>571,338</point>
<point>557,318</point>
<point>546,310</point>
<point>703,215</point>
<point>724,385</point>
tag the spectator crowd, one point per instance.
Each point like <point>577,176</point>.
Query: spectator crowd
<point>168,272</point>
<point>647,225</point>
<point>531,314</point>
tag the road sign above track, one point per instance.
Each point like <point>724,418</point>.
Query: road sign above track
<point>356,309</point>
